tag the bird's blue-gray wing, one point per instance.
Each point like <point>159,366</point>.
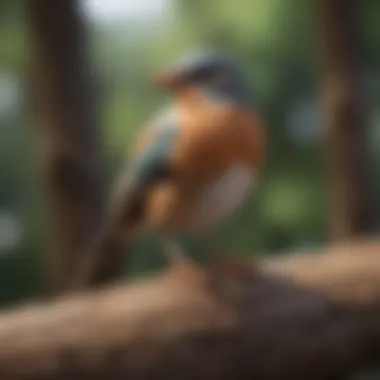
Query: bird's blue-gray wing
<point>149,168</point>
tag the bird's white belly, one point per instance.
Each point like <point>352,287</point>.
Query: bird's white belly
<point>219,200</point>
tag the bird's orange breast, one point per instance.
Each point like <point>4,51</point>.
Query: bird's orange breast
<point>212,140</point>
<point>214,137</point>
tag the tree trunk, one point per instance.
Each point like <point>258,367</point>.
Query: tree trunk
<point>312,317</point>
<point>352,196</point>
<point>69,153</point>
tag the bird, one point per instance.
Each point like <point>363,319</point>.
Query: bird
<point>195,162</point>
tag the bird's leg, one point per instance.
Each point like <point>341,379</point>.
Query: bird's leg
<point>173,251</point>
<point>227,273</point>
<point>214,252</point>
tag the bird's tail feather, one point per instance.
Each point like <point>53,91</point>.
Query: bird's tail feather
<point>101,262</point>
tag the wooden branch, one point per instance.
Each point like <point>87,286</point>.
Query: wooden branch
<point>307,317</point>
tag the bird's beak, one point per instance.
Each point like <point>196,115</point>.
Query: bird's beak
<point>168,80</point>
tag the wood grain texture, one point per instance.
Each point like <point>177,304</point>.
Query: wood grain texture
<point>294,318</point>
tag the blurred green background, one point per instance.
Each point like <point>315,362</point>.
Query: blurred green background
<point>275,41</point>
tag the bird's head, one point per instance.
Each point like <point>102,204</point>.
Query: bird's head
<point>209,71</point>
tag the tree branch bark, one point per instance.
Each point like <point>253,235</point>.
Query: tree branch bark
<point>307,317</point>
<point>353,210</point>
<point>68,145</point>
<point>69,150</point>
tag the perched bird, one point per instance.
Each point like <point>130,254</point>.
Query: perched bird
<point>193,164</point>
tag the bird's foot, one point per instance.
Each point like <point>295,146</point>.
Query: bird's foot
<point>174,253</point>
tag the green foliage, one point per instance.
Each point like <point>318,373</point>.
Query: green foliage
<point>274,39</point>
